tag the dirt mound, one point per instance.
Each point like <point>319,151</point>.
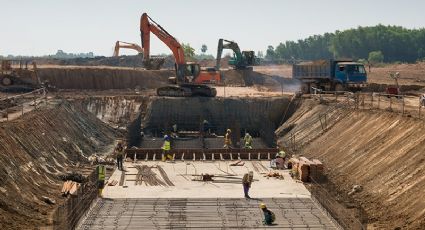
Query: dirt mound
<point>35,150</point>
<point>123,61</point>
<point>104,78</point>
<point>381,151</point>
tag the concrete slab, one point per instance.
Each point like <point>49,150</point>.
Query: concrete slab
<point>180,173</point>
<point>209,213</point>
<point>205,205</point>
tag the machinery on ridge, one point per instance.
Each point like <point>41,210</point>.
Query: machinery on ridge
<point>240,59</point>
<point>189,76</point>
<point>18,76</point>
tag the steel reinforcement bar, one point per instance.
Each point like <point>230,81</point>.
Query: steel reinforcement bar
<point>204,154</point>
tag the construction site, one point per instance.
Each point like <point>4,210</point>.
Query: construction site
<point>192,132</point>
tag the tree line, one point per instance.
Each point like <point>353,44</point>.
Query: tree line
<point>394,43</point>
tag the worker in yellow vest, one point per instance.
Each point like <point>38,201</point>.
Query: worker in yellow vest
<point>248,141</point>
<point>101,172</point>
<point>228,139</point>
<point>166,147</point>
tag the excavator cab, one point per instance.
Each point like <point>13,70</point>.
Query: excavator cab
<point>185,73</point>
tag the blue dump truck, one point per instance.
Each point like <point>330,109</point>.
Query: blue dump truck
<point>330,75</point>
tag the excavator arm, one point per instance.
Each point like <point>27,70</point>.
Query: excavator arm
<point>228,45</point>
<point>126,45</point>
<point>148,26</point>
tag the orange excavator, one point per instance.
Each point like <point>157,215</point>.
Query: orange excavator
<point>190,79</point>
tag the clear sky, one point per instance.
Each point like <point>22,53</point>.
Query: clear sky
<point>39,27</point>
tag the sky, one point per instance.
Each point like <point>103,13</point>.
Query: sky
<point>40,27</point>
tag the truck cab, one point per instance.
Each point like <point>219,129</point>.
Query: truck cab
<point>350,74</point>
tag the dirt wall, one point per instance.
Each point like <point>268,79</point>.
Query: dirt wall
<point>116,111</point>
<point>34,150</point>
<point>381,151</point>
<point>98,78</point>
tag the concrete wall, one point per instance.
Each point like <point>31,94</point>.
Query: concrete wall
<point>252,114</point>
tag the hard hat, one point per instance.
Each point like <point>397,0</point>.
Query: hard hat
<point>228,130</point>
<point>165,136</point>
<point>262,205</point>
<point>251,173</point>
<point>246,134</point>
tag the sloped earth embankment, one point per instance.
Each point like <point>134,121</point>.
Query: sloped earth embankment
<point>101,78</point>
<point>381,151</point>
<point>35,149</point>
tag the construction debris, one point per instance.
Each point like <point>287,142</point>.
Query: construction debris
<point>48,200</point>
<point>305,170</point>
<point>237,163</point>
<point>164,176</point>
<point>274,174</point>
<point>73,176</point>
<point>70,188</point>
<point>145,174</point>
<point>113,183</point>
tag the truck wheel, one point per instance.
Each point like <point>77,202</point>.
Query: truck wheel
<point>305,88</point>
<point>6,81</point>
<point>339,87</point>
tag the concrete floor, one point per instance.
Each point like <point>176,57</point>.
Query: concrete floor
<point>204,205</point>
<point>180,174</point>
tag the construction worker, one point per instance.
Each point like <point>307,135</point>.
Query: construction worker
<point>279,160</point>
<point>174,134</point>
<point>228,139</point>
<point>205,127</point>
<point>269,216</point>
<point>119,152</point>
<point>166,147</point>
<point>248,141</point>
<point>246,183</point>
<point>101,171</point>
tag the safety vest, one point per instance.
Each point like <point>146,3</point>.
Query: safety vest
<point>166,146</point>
<point>248,141</point>
<point>227,139</point>
<point>101,172</point>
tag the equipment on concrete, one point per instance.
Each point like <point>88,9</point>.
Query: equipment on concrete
<point>394,89</point>
<point>189,76</point>
<point>17,76</point>
<point>240,60</point>
<point>338,75</point>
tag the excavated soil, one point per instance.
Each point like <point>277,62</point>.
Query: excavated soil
<point>380,151</point>
<point>103,78</point>
<point>35,149</point>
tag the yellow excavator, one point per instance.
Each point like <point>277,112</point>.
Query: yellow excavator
<point>155,63</point>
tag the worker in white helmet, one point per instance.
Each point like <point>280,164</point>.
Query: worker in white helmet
<point>228,139</point>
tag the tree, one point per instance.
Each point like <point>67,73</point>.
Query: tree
<point>260,54</point>
<point>376,57</point>
<point>188,50</point>
<point>270,53</point>
<point>204,48</point>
